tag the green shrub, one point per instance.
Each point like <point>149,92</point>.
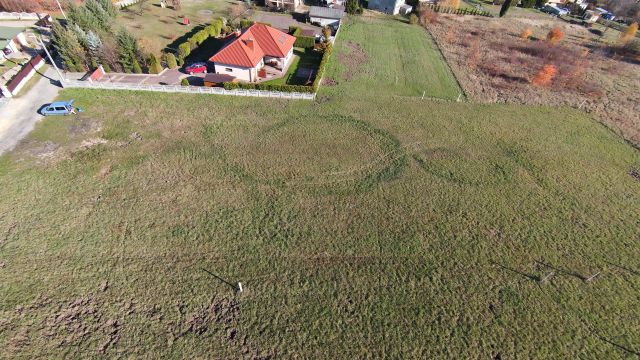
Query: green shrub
<point>184,50</point>
<point>136,67</point>
<point>528,3</point>
<point>413,19</point>
<point>245,23</point>
<point>171,61</point>
<point>154,65</point>
<point>184,82</point>
<point>295,31</point>
<point>212,30</point>
<point>305,41</point>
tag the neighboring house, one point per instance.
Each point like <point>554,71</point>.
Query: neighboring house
<point>284,4</point>
<point>387,6</point>
<point>325,16</point>
<point>251,50</point>
<point>10,40</point>
<point>591,16</point>
<point>560,3</point>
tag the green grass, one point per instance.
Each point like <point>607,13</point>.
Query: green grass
<point>360,226</point>
<point>401,59</point>
<point>8,65</point>
<point>303,58</point>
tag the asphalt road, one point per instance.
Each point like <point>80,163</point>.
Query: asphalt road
<point>20,114</point>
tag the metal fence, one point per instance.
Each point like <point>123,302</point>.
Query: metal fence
<point>188,89</point>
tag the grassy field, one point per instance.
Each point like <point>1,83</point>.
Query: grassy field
<point>374,225</point>
<point>389,57</point>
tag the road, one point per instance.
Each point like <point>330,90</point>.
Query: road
<point>19,115</point>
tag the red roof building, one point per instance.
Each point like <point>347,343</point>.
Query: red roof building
<point>257,45</point>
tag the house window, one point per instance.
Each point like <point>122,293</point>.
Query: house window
<point>228,69</point>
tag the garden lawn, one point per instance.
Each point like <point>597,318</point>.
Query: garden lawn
<point>303,58</point>
<point>359,226</point>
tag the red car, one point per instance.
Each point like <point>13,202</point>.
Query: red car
<point>196,68</point>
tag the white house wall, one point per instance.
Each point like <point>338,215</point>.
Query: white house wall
<point>324,21</point>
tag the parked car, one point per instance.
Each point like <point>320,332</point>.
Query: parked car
<point>60,108</point>
<point>553,10</point>
<point>196,68</point>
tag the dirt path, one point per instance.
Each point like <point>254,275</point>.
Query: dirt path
<point>19,115</point>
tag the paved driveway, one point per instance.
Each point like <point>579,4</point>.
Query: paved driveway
<point>168,77</point>
<point>18,116</point>
<point>283,21</point>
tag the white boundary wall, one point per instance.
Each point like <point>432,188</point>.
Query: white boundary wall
<point>188,89</point>
<point>20,16</point>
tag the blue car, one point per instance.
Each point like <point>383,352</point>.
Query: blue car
<point>60,108</point>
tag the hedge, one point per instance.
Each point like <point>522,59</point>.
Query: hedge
<point>305,41</point>
<point>323,65</point>
<point>245,23</point>
<point>269,87</point>
<point>295,30</point>
<point>211,30</point>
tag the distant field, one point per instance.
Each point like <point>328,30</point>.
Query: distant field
<point>389,57</point>
<point>368,223</point>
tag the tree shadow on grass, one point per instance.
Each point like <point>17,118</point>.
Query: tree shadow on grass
<point>173,46</point>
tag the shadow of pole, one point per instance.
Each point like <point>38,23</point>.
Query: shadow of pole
<point>528,276</point>
<point>233,286</point>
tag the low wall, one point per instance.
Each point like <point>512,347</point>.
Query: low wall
<point>23,76</point>
<point>20,16</point>
<point>188,89</point>
<point>124,3</point>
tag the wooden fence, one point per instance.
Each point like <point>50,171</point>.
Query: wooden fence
<point>461,11</point>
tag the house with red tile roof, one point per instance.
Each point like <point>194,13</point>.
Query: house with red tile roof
<point>256,46</point>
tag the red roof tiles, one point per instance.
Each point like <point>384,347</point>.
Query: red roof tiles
<point>253,44</point>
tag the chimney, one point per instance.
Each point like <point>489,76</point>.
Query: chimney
<point>249,43</point>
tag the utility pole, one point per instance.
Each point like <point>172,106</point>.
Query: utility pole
<point>52,62</point>
<point>62,11</point>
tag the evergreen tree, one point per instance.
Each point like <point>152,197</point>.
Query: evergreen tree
<point>505,7</point>
<point>353,7</point>
<point>102,18</point>
<point>128,50</point>
<point>93,43</point>
<point>108,6</point>
<point>66,43</point>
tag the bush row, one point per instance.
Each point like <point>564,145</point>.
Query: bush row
<point>211,30</point>
<point>328,50</point>
<point>305,41</point>
<point>269,87</point>
<point>465,11</point>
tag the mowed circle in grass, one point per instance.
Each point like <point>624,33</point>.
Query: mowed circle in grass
<point>326,151</point>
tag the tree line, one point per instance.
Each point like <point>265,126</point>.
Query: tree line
<point>88,39</point>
